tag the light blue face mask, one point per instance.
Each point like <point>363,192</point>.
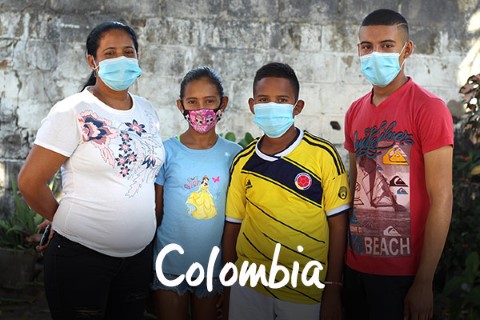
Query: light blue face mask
<point>119,73</point>
<point>380,68</point>
<point>273,118</point>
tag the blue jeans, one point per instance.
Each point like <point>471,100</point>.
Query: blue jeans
<point>81,283</point>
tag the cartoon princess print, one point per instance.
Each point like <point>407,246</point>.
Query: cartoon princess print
<point>200,203</point>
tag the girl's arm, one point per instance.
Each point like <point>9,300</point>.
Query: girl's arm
<point>159,203</point>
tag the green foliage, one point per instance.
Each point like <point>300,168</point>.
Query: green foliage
<point>471,100</point>
<point>458,272</point>
<point>464,235</point>
<point>245,141</point>
<point>15,227</point>
<point>463,291</point>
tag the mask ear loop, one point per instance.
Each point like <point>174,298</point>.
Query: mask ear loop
<point>185,112</point>
<point>94,63</point>
<point>293,109</point>
<point>219,112</point>
<point>401,54</point>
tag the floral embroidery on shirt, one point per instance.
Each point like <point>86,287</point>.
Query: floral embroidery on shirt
<point>96,129</point>
<point>137,128</point>
<point>134,152</point>
<point>125,147</point>
<point>128,157</point>
<point>124,171</point>
<point>99,131</point>
<point>149,161</point>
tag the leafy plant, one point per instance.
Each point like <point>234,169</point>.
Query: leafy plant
<point>458,275</point>
<point>463,291</point>
<point>16,227</point>
<point>471,99</point>
<point>245,141</point>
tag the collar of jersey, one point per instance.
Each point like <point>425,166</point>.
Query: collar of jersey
<point>283,153</point>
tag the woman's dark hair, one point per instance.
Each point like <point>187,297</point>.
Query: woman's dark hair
<point>93,41</point>
<point>202,73</point>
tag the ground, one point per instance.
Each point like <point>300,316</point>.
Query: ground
<point>28,303</point>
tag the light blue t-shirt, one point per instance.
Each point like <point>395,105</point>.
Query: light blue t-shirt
<point>194,192</point>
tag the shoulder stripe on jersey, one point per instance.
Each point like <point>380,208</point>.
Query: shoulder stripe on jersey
<point>334,149</point>
<point>326,143</point>
<point>242,154</point>
<point>329,148</point>
<point>284,224</point>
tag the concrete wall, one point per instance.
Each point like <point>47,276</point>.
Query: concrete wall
<point>42,56</point>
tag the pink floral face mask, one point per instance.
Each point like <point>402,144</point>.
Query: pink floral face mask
<point>203,120</point>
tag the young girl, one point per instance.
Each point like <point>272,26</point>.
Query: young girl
<point>191,190</point>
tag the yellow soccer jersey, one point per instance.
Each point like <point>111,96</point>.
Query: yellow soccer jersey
<point>286,199</point>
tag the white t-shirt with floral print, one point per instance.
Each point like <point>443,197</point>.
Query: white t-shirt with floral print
<point>108,179</point>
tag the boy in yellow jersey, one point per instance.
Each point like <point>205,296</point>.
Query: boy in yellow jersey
<point>290,188</point>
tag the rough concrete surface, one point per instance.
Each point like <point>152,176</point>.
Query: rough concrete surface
<point>42,58</point>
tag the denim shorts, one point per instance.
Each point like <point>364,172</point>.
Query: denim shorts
<point>199,291</point>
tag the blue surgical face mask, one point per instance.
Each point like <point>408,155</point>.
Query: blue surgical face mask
<point>380,68</point>
<point>119,73</point>
<point>273,118</point>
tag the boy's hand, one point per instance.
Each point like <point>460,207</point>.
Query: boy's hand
<point>331,306</point>
<point>418,303</point>
<point>219,307</point>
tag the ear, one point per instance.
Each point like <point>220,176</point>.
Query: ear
<point>298,107</point>
<point>224,103</point>
<point>91,62</point>
<point>409,48</point>
<point>251,103</point>
<point>180,106</point>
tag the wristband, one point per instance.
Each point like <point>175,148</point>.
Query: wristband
<point>335,283</point>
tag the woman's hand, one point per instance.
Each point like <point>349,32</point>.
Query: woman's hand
<point>48,232</point>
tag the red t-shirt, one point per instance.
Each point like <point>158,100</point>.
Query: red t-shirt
<point>391,203</point>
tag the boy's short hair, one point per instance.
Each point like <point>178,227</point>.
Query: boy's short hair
<point>385,17</point>
<point>277,70</point>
